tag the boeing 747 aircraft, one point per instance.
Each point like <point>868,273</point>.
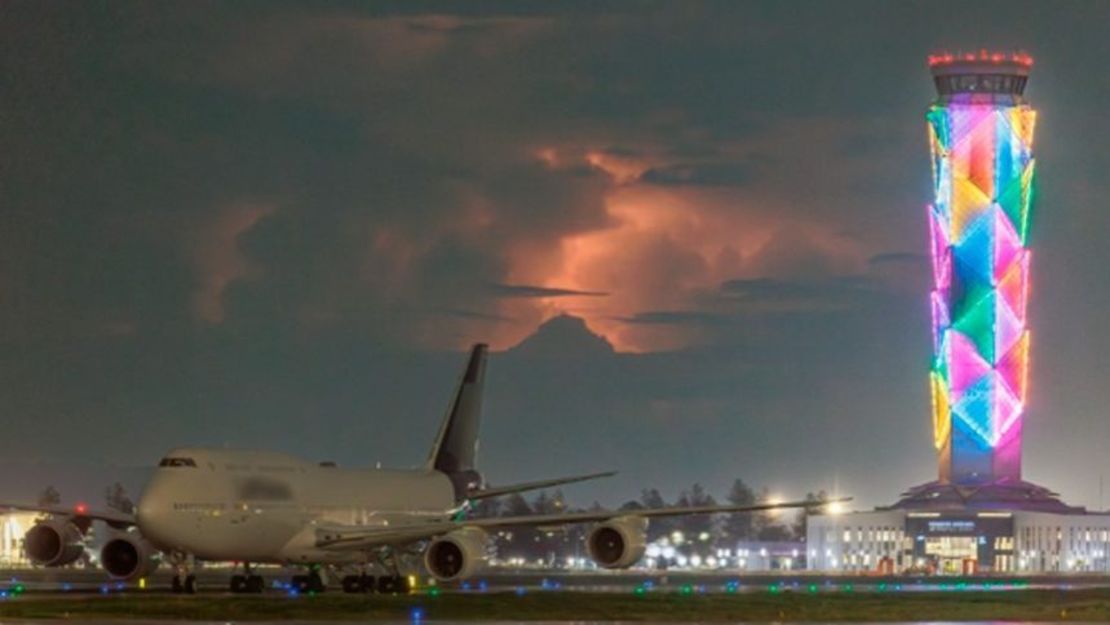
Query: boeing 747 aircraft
<point>268,507</point>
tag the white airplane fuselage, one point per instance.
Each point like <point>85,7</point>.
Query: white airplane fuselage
<point>267,507</point>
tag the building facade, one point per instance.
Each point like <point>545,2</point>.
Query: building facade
<point>950,542</point>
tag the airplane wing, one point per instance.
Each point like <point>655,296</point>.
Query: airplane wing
<point>113,517</point>
<point>497,491</point>
<point>357,538</point>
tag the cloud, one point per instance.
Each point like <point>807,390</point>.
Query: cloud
<point>679,317</point>
<point>897,258</point>
<point>525,290</point>
<point>704,174</point>
<point>219,262</point>
<point>777,295</point>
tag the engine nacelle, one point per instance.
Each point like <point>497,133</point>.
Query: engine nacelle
<point>56,542</point>
<point>457,555</point>
<point>618,543</point>
<point>129,556</point>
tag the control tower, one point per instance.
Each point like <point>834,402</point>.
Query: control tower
<point>981,135</point>
<point>979,514</point>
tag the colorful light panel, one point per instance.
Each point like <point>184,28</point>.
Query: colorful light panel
<point>979,227</point>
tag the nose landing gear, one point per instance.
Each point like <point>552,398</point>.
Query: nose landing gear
<point>184,584</point>
<point>184,581</point>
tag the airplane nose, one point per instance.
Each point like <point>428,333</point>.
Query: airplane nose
<point>152,511</point>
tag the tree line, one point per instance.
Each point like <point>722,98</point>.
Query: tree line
<point>700,534</point>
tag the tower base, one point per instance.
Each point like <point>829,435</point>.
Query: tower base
<point>998,495</point>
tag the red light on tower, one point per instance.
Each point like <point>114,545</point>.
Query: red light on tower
<point>944,59</point>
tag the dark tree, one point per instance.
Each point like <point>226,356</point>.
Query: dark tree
<point>650,498</point>
<point>799,528</point>
<point>696,525</point>
<point>523,541</point>
<point>49,497</point>
<point>115,496</point>
<point>739,527</point>
<point>485,508</point>
<point>516,505</point>
<point>770,525</point>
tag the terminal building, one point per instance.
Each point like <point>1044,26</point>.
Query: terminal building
<point>979,515</point>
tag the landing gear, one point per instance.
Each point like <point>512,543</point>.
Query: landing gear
<point>183,579</point>
<point>397,584</point>
<point>311,583</point>
<point>249,583</point>
<point>187,584</point>
<point>385,584</point>
<point>354,584</point>
<point>393,584</point>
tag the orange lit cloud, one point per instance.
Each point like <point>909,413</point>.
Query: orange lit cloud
<point>662,248</point>
<point>217,258</point>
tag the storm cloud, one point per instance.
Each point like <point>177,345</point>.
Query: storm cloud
<point>693,232</point>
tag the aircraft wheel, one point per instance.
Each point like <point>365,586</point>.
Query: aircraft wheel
<point>299,583</point>
<point>315,582</point>
<point>255,584</point>
<point>190,584</point>
<point>238,583</point>
<point>367,583</point>
<point>352,584</point>
<point>392,584</point>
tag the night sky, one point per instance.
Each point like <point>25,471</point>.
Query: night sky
<point>693,233</point>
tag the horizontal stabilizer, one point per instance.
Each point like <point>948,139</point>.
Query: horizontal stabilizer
<point>486,493</point>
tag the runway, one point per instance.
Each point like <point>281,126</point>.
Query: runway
<point>435,622</point>
<point>82,582</point>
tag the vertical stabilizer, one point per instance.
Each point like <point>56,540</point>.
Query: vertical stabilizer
<point>456,446</point>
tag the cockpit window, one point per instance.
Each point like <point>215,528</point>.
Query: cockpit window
<point>177,462</point>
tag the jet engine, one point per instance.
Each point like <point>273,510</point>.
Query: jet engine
<point>457,555</point>
<point>55,542</point>
<point>129,556</point>
<point>618,543</point>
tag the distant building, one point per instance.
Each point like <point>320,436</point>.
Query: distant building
<point>979,515</point>
<point>756,556</point>
<point>13,525</point>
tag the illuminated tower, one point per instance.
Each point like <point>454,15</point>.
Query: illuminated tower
<point>981,135</point>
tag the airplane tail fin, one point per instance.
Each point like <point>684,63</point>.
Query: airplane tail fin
<point>456,446</point>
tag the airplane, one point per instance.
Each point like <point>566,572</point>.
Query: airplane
<point>264,507</point>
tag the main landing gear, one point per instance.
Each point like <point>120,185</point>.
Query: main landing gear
<point>386,584</point>
<point>389,559</point>
<point>248,583</point>
<point>311,583</point>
